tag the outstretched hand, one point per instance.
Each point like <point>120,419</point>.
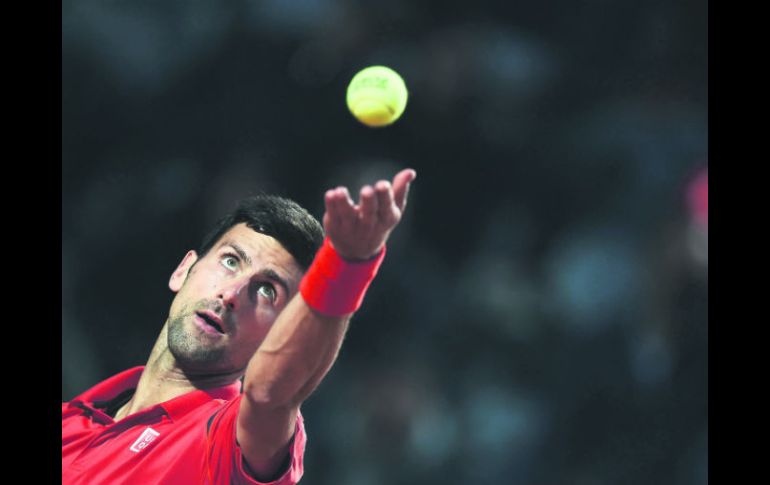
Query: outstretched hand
<point>358,231</point>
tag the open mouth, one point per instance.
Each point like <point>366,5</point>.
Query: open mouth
<point>211,322</point>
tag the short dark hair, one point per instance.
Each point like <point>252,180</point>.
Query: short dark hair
<point>278,217</point>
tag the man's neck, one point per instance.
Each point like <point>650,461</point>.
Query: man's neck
<point>163,380</point>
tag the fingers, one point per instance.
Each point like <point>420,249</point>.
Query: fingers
<point>382,203</point>
<point>368,204</point>
<point>401,186</point>
<point>387,212</point>
<point>339,204</point>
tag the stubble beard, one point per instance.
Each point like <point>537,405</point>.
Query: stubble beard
<point>187,348</point>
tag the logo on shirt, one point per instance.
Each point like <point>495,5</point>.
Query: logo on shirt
<point>147,437</point>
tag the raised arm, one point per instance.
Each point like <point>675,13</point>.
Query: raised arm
<point>304,342</point>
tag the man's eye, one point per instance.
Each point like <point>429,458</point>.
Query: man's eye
<point>230,262</point>
<point>267,290</point>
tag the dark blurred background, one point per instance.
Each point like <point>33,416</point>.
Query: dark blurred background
<point>541,317</point>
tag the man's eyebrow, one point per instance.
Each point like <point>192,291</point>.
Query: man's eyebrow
<point>241,253</point>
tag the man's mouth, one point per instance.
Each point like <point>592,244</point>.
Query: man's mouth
<point>212,321</point>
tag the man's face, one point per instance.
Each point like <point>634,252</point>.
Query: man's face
<point>227,300</point>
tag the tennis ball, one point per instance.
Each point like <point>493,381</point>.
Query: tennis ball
<point>377,96</point>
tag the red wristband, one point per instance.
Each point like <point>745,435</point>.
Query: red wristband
<point>336,287</point>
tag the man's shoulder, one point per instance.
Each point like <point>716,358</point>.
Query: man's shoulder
<point>112,386</point>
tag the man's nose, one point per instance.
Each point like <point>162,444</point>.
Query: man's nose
<point>231,294</point>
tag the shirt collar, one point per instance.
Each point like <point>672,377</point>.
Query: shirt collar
<point>175,408</point>
<point>111,387</point>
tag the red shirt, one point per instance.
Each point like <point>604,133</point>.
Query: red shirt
<point>175,442</point>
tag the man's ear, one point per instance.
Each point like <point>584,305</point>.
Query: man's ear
<point>180,274</point>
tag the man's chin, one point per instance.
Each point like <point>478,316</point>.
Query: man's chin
<point>200,363</point>
<point>192,352</point>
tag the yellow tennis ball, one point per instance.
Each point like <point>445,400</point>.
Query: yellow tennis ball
<point>377,96</point>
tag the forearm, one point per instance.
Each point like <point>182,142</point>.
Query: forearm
<point>296,354</point>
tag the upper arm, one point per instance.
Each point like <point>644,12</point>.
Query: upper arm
<point>226,459</point>
<point>264,435</point>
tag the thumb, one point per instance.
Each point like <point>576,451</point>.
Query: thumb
<point>401,184</point>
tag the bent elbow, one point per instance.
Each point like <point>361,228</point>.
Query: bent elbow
<point>268,395</point>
